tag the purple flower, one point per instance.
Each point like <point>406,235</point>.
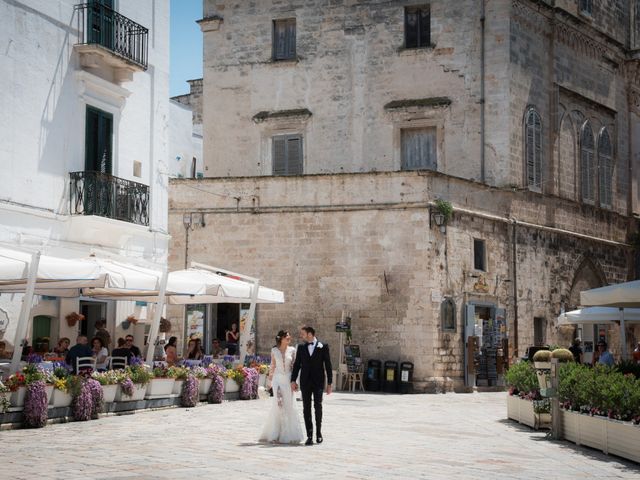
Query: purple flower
<point>190,391</point>
<point>35,405</point>
<point>97,398</point>
<point>34,358</point>
<point>249,388</point>
<point>216,391</point>
<point>127,387</point>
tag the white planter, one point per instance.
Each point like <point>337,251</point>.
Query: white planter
<point>262,380</point>
<point>205,385</point>
<point>17,397</point>
<point>49,390</point>
<point>230,385</point>
<point>177,387</point>
<point>610,436</point>
<point>109,393</point>
<point>522,411</point>
<point>138,393</point>
<point>160,388</point>
<point>60,398</point>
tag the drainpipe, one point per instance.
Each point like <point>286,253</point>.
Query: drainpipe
<point>482,93</point>
<point>514,264</point>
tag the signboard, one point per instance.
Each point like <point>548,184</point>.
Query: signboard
<point>244,319</point>
<point>353,358</point>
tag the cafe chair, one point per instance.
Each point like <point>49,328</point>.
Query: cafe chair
<point>117,363</point>
<point>85,363</point>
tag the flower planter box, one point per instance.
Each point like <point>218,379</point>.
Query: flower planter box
<point>230,385</point>
<point>17,397</point>
<point>60,399</point>
<point>49,390</point>
<point>177,387</point>
<point>138,393</point>
<point>160,388</point>
<point>610,436</point>
<point>522,411</point>
<point>109,393</point>
<point>205,385</point>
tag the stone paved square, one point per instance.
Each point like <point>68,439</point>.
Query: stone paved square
<point>367,436</point>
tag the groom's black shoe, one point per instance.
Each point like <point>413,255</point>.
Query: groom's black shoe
<point>309,441</point>
<point>319,439</point>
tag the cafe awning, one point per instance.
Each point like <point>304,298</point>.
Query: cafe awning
<point>599,315</point>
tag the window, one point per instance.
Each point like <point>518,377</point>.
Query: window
<point>137,169</point>
<point>479,257</point>
<point>417,27</point>
<point>448,315</point>
<point>284,39</point>
<point>587,166</point>
<point>287,155</point>
<point>605,168</point>
<point>533,149</point>
<point>98,141</point>
<point>586,6</point>
<point>418,149</point>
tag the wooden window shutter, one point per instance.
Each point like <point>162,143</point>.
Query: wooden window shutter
<point>410,28</point>
<point>294,155</point>
<point>98,141</point>
<point>284,39</point>
<point>290,48</point>
<point>418,149</point>
<point>279,155</point>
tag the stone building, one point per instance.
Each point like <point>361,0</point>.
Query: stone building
<point>185,133</point>
<point>85,104</point>
<point>338,134</point>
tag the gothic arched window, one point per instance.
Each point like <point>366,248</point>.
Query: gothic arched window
<point>533,149</point>
<point>605,168</point>
<point>587,164</point>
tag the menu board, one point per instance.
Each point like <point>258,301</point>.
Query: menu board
<point>353,358</point>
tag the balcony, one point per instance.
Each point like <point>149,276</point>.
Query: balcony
<point>109,39</point>
<point>103,195</point>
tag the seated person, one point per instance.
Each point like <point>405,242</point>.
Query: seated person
<point>101,353</point>
<point>216,349</point>
<point>80,349</point>
<point>62,348</point>
<point>170,352</point>
<point>194,352</point>
<point>122,350</point>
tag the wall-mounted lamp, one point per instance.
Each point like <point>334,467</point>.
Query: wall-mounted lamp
<point>193,219</point>
<point>439,218</point>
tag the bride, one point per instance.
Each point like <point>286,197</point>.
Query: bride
<point>282,424</point>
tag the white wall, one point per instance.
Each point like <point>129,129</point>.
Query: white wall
<point>185,141</point>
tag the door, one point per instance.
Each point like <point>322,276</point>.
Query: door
<point>41,333</point>
<point>92,311</point>
<point>100,24</point>
<point>98,164</point>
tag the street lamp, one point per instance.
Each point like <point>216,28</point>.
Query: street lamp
<point>439,219</point>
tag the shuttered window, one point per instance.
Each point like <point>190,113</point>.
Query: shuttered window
<point>417,27</point>
<point>284,39</point>
<point>587,164</point>
<point>98,141</point>
<point>287,155</point>
<point>533,149</point>
<point>586,6</point>
<point>605,168</point>
<point>419,150</point>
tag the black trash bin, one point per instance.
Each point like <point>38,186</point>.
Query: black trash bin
<point>390,377</point>
<point>406,377</point>
<point>372,382</point>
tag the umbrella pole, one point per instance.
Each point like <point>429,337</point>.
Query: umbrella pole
<point>157,314</point>
<point>248,325</point>
<point>623,335</point>
<point>25,310</point>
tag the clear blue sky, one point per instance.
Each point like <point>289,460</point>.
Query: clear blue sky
<point>186,44</point>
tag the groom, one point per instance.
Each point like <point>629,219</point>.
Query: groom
<point>312,361</point>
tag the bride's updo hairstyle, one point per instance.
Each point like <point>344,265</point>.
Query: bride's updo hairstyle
<point>281,334</point>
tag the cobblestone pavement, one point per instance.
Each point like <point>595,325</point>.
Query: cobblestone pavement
<point>366,436</point>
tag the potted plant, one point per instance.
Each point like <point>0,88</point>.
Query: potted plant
<point>216,391</point>
<point>249,388</point>
<point>161,384</point>
<point>132,383</point>
<point>179,374</point>
<point>109,382</point>
<point>234,380</point>
<point>73,318</point>
<point>5,394</point>
<point>61,396</point>
<point>190,393</point>
<point>18,388</point>
<point>88,399</point>
<point>204,380</point>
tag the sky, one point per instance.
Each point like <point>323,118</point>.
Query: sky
<point>186,45</point>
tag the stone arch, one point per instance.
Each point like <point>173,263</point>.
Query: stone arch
<point>588,275</point>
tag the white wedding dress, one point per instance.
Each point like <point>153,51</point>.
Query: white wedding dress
<point>282,424</point>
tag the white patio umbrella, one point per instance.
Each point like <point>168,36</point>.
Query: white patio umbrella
<point>598,315</point>
<point>621,295</point>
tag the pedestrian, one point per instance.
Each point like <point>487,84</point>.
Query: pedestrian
<point>170,352</point>
<point>576,350</point>
<point>604,356</point>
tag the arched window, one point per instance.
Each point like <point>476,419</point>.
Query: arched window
<point>533,149</point>
<point>587,164</point>
<point>448,315</point>
<point>605,168</point>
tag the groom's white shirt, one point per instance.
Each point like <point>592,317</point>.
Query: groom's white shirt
<point>312,346</point>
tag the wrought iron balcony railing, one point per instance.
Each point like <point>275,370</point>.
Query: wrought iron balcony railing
<point>100,25</point>
<point>95,193</point>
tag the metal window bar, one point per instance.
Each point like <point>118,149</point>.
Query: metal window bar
<point>101,25</point>
<point>101,194</point>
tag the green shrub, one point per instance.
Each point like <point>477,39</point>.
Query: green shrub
<point>629,366</point>
<point>562,354</point>
<point>521,378</point>
<point>542,356</point>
